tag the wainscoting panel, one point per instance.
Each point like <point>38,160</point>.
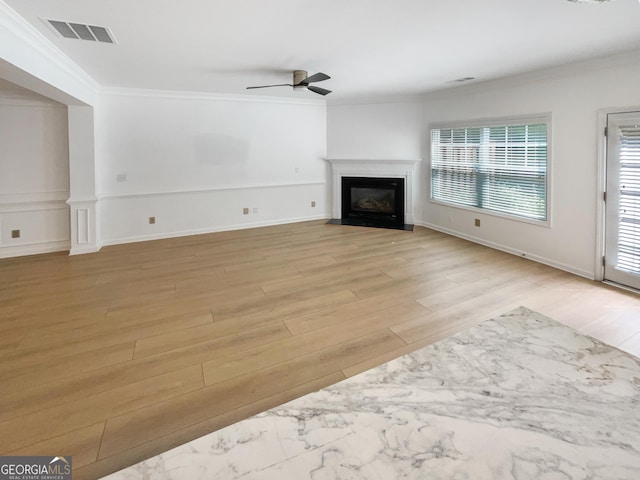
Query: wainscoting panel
<point>83,226</point>
<point>126,218</point>
<point>42,220</point>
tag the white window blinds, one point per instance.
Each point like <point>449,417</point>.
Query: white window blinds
<point>629,214</point>
<point>502,168</point>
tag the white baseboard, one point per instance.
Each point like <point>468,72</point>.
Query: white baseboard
<point>504,248</point>
<point>201,231</point>
<point>82,250</point>
<point>34,249</point>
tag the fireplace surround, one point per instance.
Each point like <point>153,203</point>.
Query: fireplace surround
<point>375,171</point>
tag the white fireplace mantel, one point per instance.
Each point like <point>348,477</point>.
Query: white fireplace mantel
<point>342,167</point>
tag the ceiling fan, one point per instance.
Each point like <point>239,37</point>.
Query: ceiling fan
<point>301,82</point>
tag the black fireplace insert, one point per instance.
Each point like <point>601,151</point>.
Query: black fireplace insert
<point>373,202</point>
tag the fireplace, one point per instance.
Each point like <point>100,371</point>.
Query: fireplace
<point>373,202</point>
<point>384,192</point>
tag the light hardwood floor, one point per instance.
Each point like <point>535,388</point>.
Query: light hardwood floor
<point>117,356</point>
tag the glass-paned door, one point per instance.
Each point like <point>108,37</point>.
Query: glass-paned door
<point>622,241</point>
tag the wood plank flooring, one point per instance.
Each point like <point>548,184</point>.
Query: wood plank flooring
<point>117,356</point>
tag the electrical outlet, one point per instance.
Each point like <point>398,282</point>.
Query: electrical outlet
<point>245,211</point>
<point>15,233</point>
<point>121,177</point>
<point>477,222</point>
<point>255,209</point>
<point>313,204</point>
<point>152,220</point>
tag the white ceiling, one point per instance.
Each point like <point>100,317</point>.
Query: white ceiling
<point>369,47</point>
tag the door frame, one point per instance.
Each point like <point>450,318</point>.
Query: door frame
<point>602,183</point>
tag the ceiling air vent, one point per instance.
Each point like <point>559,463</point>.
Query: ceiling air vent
<point>82,32</point>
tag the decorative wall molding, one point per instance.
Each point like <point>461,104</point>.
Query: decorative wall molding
<point>41,216</point>
<point>375,168</point>
<point>125,219</point>
<point>82,232</point>
<point>84,225</point>
<point>33,249</point>
<point>82,200</point>
<point>201,231</point>
<point>33,207</point>
<point>196,190</point>
<point>28,202</point>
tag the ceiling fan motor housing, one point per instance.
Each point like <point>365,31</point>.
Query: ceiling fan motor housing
<point>298,77</point>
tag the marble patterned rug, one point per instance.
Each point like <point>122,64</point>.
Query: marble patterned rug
<point>516,397</point>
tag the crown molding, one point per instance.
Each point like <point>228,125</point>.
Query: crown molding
<point>21,32</point>
<point>375,100</point>
<point>206,96</point>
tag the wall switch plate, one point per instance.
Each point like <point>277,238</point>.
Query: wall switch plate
<point>245,211</point>
<point>255,209</point>
<point>477,222</point>
<point>152,220</point>
<point>313,204</point>
<point>15,233</point>
<point>121,177</point>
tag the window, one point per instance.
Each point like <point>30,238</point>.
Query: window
<point>499,167</point>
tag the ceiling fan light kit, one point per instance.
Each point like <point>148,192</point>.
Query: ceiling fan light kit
<point>301,82</point>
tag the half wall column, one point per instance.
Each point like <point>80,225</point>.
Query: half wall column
<point>83,204</point>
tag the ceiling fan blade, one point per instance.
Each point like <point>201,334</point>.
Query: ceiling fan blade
<point>268,86</point>
<point>318,77</point>
<point>319,90</point>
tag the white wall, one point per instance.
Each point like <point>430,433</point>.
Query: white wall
<point>34,176</point>
<point>195,161</point>
<point>573,95</point>
<point>375,131</point>
<point>379,131</point>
